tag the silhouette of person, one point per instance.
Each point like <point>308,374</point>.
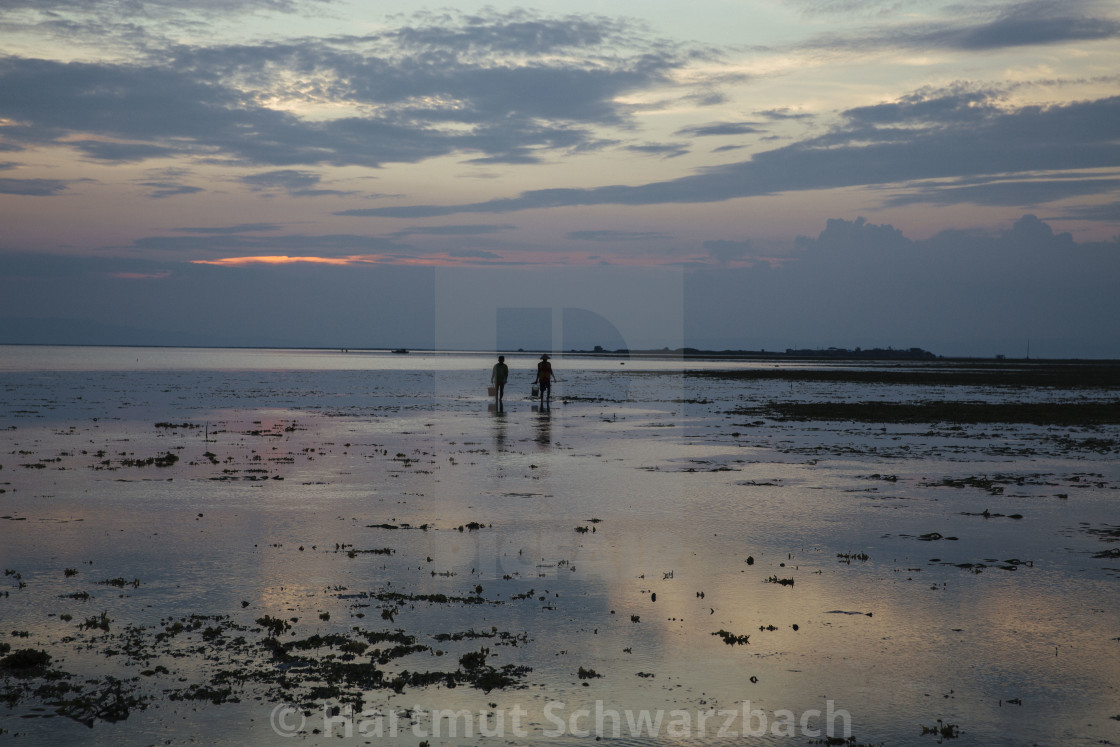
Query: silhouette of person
<point>498,376</point>
<point>545,377</point>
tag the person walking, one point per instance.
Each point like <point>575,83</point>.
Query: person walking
<point>545,377</point>
<point>498,376</point>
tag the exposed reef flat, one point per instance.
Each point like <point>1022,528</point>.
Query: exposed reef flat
<point>185,552</point>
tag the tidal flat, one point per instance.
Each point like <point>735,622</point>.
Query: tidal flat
<point>315,547</point>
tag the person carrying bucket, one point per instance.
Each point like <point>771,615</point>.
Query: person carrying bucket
<point>545,377</point>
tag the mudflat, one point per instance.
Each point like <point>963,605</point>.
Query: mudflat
<point>356,549</point>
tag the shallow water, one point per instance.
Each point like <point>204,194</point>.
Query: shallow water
<point>641,480</point>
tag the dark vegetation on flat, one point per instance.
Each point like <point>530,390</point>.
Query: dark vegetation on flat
<point>998,375</point>
<point>1037,413</point>
<point>1071,375</point>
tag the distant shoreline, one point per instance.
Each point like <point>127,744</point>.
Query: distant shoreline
<point>686,353</point>
<point>789,353</point>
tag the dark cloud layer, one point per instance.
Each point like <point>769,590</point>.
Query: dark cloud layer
<point>461,85</point>
<point>609,236</point>
<point>164,302</point>
<point>481,229</point>
<point>292,182</point>
<point>980,27</point>
<point>240,242</point>
<point>721,129</point>
<point>930,135</point>
<point>161,190</point>
<point>854,284</point>
<point>517,87</point>
<point>32,187</point>
<point>956,293</point>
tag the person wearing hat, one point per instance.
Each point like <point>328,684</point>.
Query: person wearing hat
<point>545,377</point>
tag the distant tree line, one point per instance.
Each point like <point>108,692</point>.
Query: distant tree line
<point>858,353</point>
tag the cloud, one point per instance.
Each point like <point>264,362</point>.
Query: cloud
<point>147,106</point>
<point>32,187</point>
<point>521,88</point>
<point>102,150</point>
<point>474,254</point>
<point>932,134</point>
<point>855,283</point>
<point>454,258</point>
<point>161,190</point>
<point>289,180</point>
<point>515,31</point>
<point>614,236</point>
<point>856,236</point>
<point>292,182</point>
<point>1005,192</point>
<point>847,7</point>
<point>142,275</point>
<point>956,293</point>
<point>238,243</point>
<point>719,129</point>
<point>727,251</point>
<point>157,8</point>
<point>664,150</point>
<point>953,105</point>
<point>239,228</point>
<point>504,87</point>
<point>23,265</point>
<point>1024,24</point>
<point>304,304</point>
<point>125,24</point>
<point>466,230</point>
<point>980,27</point>
<point>1107,212</point>
<point>783,113</point>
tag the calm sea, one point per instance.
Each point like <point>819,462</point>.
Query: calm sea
<point>93,358</point>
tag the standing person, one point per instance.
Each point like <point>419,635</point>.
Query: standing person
<point>545,377</point>
<point>498,376</point>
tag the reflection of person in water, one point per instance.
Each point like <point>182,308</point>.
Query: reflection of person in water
<point>544,431</point>
<point>545,377</point>
<point>499,437</point>
<point>498,377</point>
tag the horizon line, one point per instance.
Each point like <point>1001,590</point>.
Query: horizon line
<point>681,352</point>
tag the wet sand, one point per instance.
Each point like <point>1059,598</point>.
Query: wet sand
<point>226,556</point>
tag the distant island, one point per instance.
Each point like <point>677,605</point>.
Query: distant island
<point>835,353</point>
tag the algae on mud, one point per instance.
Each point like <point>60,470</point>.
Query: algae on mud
<point>1035,413</point>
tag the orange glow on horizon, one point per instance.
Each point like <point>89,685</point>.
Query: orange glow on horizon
<point>273,260</point>
<point>507,259</point>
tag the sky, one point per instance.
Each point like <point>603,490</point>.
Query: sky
<point>722,174</point>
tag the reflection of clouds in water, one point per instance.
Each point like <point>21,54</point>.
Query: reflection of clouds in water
<point>688,488</point>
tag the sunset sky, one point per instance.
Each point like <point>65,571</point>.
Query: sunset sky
<point>719,173</point>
